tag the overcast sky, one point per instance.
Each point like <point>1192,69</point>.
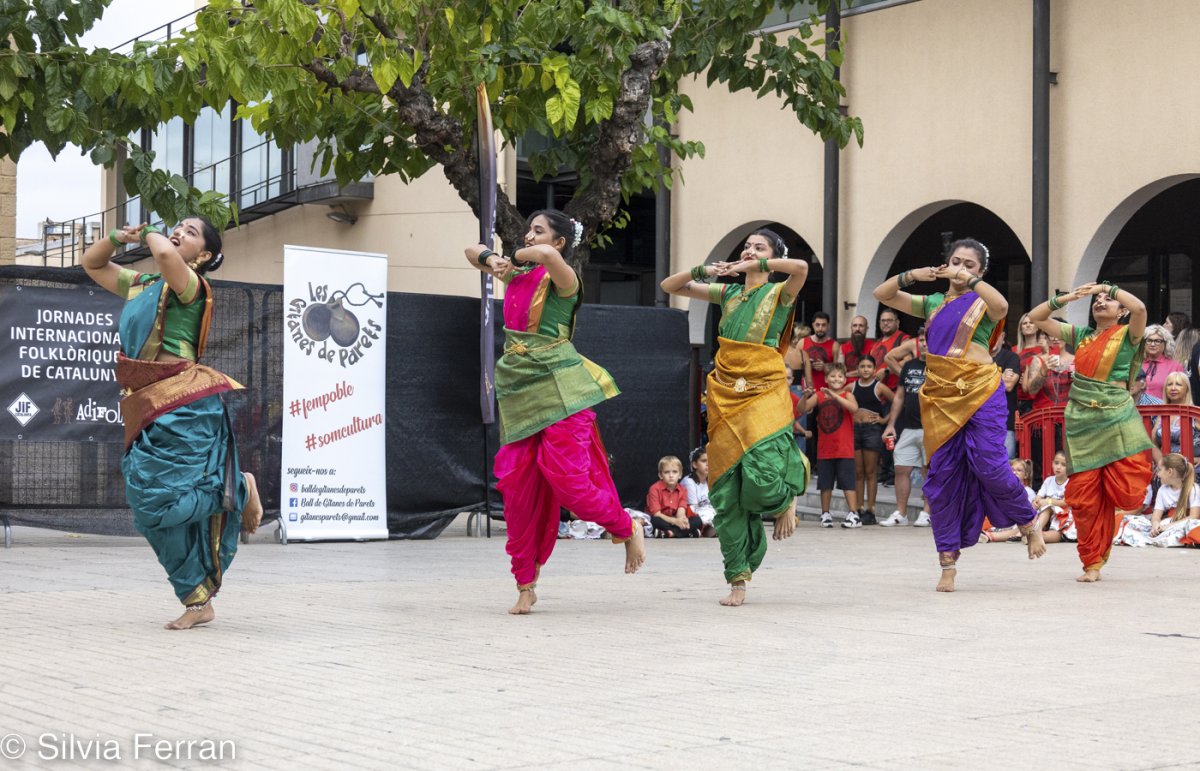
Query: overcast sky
<point>69,186</point>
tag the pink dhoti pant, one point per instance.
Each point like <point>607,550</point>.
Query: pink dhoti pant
<point>563,465</point>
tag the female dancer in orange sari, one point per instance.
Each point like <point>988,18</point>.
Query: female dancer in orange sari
<point>1108,450</point>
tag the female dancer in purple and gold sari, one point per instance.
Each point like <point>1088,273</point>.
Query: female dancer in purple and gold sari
<point>551,455</point>
<point>755,468</point>
<point>189,496</point>
<point>963,406</point>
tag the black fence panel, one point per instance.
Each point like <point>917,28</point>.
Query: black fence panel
<point>438,453</point>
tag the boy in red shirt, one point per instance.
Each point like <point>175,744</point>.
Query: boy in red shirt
<point>667,504</point>
<point>834,406</point>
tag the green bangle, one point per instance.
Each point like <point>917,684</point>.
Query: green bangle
<point>971,283</point>
<point>902,280</point>
<point>762,265</point>
<point>1112,289</point>
<point>112,237</point>
<point>482,259</point>
<point>700,272</point>
<point>147,230</point>
<point>1054,303</point>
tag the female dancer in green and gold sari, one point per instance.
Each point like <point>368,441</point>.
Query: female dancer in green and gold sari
<point>182,479</point>
<point>754,466</point>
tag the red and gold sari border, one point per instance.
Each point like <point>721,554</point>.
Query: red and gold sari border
<point>155,388</point>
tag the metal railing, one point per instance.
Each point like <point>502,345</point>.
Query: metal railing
<point>1045,425</point>
<point>162,33</point>
<point>78,233</point>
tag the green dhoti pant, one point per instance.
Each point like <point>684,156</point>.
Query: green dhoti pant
<point>762,483</point>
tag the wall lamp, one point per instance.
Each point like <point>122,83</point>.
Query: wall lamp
<point>343,216</point>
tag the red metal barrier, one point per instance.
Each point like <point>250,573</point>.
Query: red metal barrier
<point>1047,422</point>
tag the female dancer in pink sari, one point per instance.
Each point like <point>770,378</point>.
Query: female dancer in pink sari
<point>551,455</point>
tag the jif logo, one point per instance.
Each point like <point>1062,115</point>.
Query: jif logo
<point>23,409</point>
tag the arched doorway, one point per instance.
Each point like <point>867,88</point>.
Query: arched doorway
<point>704,318</point>
<point>920,240</point>
<point>1149,245</point>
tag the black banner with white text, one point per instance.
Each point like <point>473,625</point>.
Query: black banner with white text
<point>58,351</point>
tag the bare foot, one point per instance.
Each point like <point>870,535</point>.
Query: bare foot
<point>526,599</point>
<point>252,513</point>
<point>1089,577</point>
<point>946,582</point>
<point>1037,543</point>
<point>736,596</point>
<point>191,618</point>
<point>785,523</point>
<point>635,549</point>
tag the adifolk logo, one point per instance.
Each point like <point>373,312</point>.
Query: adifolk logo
<point>327,323</point>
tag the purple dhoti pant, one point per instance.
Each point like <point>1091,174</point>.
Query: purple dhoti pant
<point>969,479</point>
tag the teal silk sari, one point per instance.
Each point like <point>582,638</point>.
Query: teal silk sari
<point>182,477</point>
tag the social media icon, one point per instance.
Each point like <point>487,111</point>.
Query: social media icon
<point>293,501</point>
<point>293,487</point>
<point>291,516</point>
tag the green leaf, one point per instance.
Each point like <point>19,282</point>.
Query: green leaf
<point>385,72</point>
<point>102,155</point>
<point>555,112</point>
<point>570,104</point>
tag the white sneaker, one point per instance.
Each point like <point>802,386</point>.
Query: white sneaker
<point>895,520</point>
<point>922,520</point>
<point>851,521</point>
<point>826,519</point>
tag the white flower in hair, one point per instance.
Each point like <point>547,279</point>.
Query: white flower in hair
<point>785,251</point>
<point>578,232</point>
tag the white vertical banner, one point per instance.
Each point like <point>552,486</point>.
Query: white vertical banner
<point>333,476</point>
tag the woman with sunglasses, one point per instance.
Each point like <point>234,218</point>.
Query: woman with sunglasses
<point>1158,362</point>
<point>1108,450</point>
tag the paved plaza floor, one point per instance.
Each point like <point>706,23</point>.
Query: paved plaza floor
<point>400,655</point>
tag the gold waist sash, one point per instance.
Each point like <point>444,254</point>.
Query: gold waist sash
<point>747,400</point>
<point>955,388</point>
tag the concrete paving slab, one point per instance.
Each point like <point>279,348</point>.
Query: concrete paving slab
<point>400,655</point>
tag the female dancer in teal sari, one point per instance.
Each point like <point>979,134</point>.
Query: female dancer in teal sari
<point>755,468</point>
<point>189,497</point>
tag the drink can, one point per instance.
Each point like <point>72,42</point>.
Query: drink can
<point>889,441</point>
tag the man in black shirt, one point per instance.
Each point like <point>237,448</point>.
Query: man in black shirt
<point>904,429</point>
<point>1010,374</point>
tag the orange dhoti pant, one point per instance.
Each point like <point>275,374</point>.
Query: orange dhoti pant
<point>1095,496</point>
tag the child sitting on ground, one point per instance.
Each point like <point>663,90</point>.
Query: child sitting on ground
<point>993,534</point>
<point>696,485</point>
<point>834,407</point>
<point>1051,503</point>
<point>1178,500</point>
<point>667,504</point>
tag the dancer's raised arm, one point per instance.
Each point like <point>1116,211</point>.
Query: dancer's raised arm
<point>97,258</point>
<point>690,283</point>
<point>1128,305</point>
<point>892,292</point>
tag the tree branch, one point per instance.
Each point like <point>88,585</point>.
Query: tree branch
<point>619,136</point>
